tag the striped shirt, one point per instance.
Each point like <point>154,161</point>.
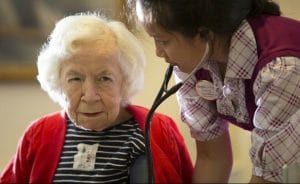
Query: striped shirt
<point>99,157</point>
<point>275,138</point>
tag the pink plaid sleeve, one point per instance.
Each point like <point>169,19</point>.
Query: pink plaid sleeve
<point>276,138</point>
<point>199,114</point>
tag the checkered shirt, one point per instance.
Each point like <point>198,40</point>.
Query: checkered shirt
<point>276,136</point>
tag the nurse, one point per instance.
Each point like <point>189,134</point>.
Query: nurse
<point>250,78</point>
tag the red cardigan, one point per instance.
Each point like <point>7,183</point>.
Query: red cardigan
<point>40,148</point>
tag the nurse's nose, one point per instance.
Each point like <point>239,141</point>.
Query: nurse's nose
<point>159,51</point>
<point>90,92</point>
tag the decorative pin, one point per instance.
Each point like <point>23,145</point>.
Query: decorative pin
<point>226,91</point>
<point>206,90</point>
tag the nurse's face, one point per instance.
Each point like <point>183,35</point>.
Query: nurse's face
<point>177,49</point>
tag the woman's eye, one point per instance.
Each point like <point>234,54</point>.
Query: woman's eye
<point>105,78</point>
<point>74,79</point>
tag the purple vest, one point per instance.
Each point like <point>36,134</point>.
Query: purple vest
<point>275,36</point>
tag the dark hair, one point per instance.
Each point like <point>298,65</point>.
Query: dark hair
<point>191,17</point>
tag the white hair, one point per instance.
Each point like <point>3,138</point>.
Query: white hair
<point>90,27</point>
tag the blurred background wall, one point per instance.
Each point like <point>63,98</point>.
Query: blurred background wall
<point>23,101</point>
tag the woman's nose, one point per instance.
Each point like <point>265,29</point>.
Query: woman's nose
<point>90,92</point>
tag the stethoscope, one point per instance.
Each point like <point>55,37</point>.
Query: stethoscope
<point>162,95</point>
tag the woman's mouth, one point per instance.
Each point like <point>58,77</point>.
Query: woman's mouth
<point>92,114</point>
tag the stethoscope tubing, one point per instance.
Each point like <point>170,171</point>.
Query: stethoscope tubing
<point>161,96</point>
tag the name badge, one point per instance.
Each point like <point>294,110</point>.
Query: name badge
<point>85,157</point>
<point>206,90</point>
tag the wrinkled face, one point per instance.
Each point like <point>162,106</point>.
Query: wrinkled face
<point>91,83</point>
<point>177,49</point>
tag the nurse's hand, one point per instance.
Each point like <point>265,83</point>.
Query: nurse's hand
<point>256,179</point>
<point>214,160</point>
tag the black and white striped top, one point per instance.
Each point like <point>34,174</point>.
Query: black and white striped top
<point>99,157</point>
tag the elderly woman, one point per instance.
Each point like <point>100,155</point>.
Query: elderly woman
<point>93,67</point>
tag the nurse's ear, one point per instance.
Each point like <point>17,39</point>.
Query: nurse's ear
<point>203,33</point>
<point>207,35</point>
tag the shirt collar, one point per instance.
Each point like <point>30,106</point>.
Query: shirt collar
<point>243,53</point>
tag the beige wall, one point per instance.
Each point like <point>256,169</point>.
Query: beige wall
<point>22,103</point>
